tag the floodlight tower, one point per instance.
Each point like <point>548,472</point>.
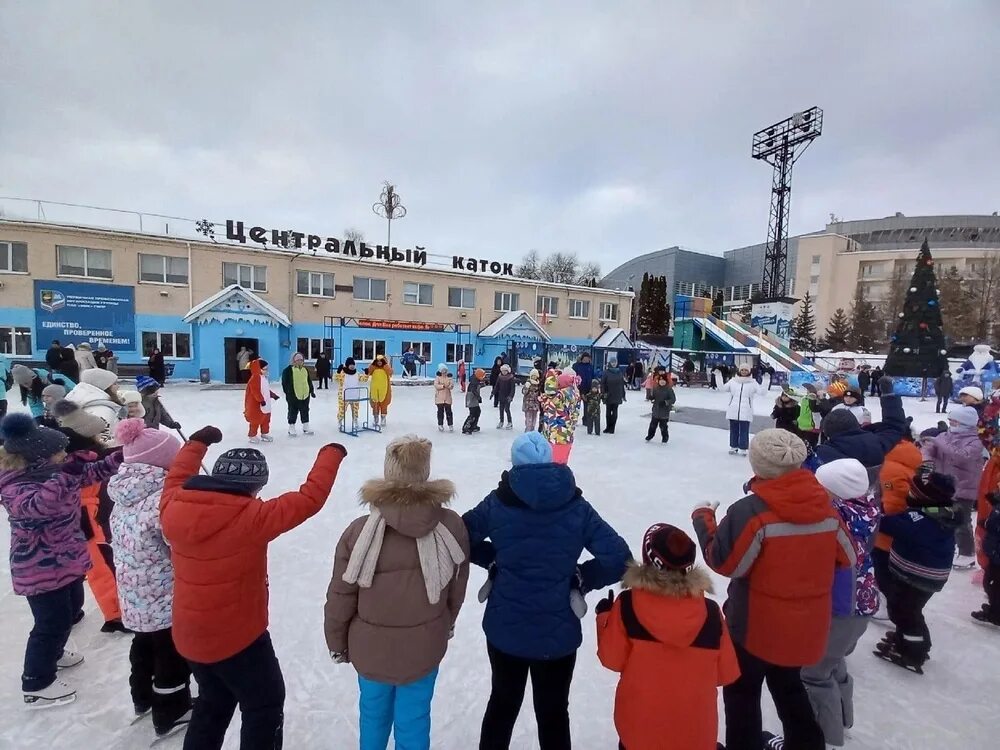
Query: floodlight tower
<point>780,145</point>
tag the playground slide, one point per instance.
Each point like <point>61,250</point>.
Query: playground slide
<point>770,349</point>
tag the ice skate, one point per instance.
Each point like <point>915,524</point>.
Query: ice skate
<point>306,430</point>
<point>891,654</point>
<point>733,451</point>
<point>440,428</point>
<point>139,712</point>
<point>744,453</point>
<point>114,626</point>
<point>985,616</point>
<point>179,725</point>
<point>500,425</point>
<point>291,431</point>
<point>451,428</point>
<point>69,659</point>
<point>383,421</point>
<point>267,438</point>
<point>964,562</point>
<point>509,426</point>
<point>56,694</point>
<point>254,440</point>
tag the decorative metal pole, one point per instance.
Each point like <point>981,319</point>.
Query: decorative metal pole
<point>389,206</point>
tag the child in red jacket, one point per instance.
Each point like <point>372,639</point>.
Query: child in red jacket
<point>671,646</point>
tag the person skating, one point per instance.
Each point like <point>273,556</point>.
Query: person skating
<point>257,402</point>
<point>218,530</point>
<point>40,490</point>
<point>663,403</point>
<point>855,599</point>
<point>462,375</point>
<point>780,592</point>
<point>943,386</point>
<point>864,379</point>
<point>298,389</point>
<point>786,412</point>
<point>959,454</point>
<point>405,566</point>
<point>349,382</point>
<point>529,533</point>
<point>473,401</point>
<point>920,560</point>
<point>844,437</point>
<point>592,408</point>
<point>503,394</point>
<point>157,367</point>
<point>671,646</point>
<point>877,375</point>
<point>380,388</point>
<point>613,388</point>
<point>494,376</point>
<point>160,678</point>
<point>156,411</point>
<point>530,392</point>
<point>560,412</point>
<point>324,368</point>
<point>584,369</point>
<point>444,385</point>
<point>742,390</point>
<point>990,612</point>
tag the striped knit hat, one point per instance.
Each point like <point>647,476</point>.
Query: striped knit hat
<point>666,547</point>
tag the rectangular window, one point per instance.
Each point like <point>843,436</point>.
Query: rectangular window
<point>163,269</point>
<point>312,348</point>
<point>418,294</point>
<point>816,260</point>
<point>173,345</point>
<point>248,277</point>
<point>609,311</point>
<point>365,350</point>
<point>506,301</point>
<point>547,306</point>
<point>461,297</point>
<point>455,352</point>
<point>366,288</point>
<point>421,348</point>
<point>314,284</point>
<point>579,308</point>
<point>14,257</point>
<point>15,341</point>
<point>814,279</point>
<point>83,261</point>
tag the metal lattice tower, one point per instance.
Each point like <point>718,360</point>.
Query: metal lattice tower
<point>780,145</point>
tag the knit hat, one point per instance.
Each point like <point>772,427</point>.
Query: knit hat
<point>774,453</point>
<point>146,383</point>
<point>72,417</point>
<point>132,398</point>
<point>55,391</point>
<point>22,437</point>
<point>480,373</point>
<point>567,379</point>
<point>856,392</point>
<point>837,388</point>
<point>964,417</point>
<point>505,369</point>
<point>845,478</point>
<point>930,489</point>
<point>970,390</point>
<point>442,367</point>
<point>22,375</point>
<point>98,378</point>
<point>84,347</point>
<point>534,375</point>
<point>349,361</point>
<point>245,466</point>
<point>144,445</point>
<point>408,460</point>
<point>530,448</point>
<point>839,421</point>
<point>666,547</point>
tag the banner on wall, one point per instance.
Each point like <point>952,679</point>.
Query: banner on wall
<point>402,325</point>
<point>774,317</point>
<point>76,312</point>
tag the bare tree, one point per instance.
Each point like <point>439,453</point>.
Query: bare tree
<point>984,286</point>
<point>529,267</point>
<point>588,274</point>
<point>354,234</point>
<point>561,268</point>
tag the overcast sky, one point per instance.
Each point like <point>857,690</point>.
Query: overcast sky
<point>607,128</point>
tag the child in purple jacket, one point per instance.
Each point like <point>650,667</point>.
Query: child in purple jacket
<point>40,489</point>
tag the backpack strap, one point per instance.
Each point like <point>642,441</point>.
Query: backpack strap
<point>633,628</point>
<point>710,635</point>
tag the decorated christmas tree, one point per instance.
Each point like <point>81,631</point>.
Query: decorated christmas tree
<point>917,348</point>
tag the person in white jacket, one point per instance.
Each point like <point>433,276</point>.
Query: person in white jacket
<point>742,390</point>
<point>84,356</point>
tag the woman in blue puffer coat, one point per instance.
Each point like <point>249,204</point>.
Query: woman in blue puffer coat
<point>537,524</point>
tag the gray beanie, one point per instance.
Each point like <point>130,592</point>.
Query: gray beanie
<point>54,391</point>
<point>72,417</point>
<point>22,375</point>
<point>244,466</point>
<point>774,453</point>
<point>23,437</point>
<point>839,421</point>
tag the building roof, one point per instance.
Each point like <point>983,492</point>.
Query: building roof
<point>512,320</point>
<point>236,303</point>
<point>613,338</point>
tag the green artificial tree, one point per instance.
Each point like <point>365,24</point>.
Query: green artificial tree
<point>803,333</point>
<point>917,348</point>
<point>838,330</point>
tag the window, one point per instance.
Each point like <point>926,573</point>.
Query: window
<point>579,308</point>
<point>312,348</point>
<point>547,306</point>
<point>369,289</point>
<point>421,348</point>
<point>506,301</point>
<point>455,352</point>
<point>83,261</point>
<point>461,297</point>
<point>870,270</point>
<point>163,269</point>
<point>609,311</point>
<point>176,345</point>
<point>366,350</point>
<point>248,277</point>
<point>816,260</point>
<point>814,279</point>
<point>314,284</point>
<point>15,341</point>
<point>14,257</point>
<point>418,294</point>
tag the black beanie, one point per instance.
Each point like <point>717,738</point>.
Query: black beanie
<point>839,421</point>
<point>245,466</point>
<point>930,489</point>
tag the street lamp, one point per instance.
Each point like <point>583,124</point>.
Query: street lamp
<point>389,206</point>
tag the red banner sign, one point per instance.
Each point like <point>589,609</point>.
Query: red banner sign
<point>401,325</point>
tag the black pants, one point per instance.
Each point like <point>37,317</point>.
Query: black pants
<point>941,406</point>
<point>611,417</point>
<point>876,391</point>
<point>965,538</point>
<point>472,421</point>
<point>742,699</point>
<point>991,585</point>
<point>663,424</point>
<point>444,410</point>
<point>505,413</point>
<point>53,612</point>
<point>251,679</point>
<point>550,681</point>
<point>298,408</point>
<point>592,421</point>
<point>883,578</point>
<point>160,677</point>
<point>3,407</point>
<point>324,382</point>
<point>906,610</point>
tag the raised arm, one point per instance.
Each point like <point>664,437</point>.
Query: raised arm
<point>730,548</point>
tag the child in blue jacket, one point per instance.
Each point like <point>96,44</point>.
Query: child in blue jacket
<point>990,613</point>
<point>530,533</point>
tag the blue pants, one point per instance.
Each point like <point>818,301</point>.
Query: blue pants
<point>53,612</point>
<point>404,710</point>
<point>739,434</point>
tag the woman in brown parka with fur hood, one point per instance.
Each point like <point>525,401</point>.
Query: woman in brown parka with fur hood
<point>399,581</point>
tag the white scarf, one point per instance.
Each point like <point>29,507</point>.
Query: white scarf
<point>265,395</point>
<point>438,551</point>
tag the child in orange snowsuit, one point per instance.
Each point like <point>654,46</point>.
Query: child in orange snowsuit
<point>671,646</point>
<point>257,402</point>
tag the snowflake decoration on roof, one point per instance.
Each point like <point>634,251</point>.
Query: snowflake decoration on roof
<point>206,228</point>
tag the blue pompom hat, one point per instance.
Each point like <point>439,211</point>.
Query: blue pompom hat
<point>530,448</point>
<point>23,437</point>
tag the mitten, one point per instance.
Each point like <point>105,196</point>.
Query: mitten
<point>605,604</point>
<point>484,592</point>
<point>207,436</point>
<point>711,507</point>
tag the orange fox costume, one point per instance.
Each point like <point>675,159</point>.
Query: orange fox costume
<point>257,400</point>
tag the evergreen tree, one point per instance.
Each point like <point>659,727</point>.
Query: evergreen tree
<point>658,305</point>
<point>837,331</point>
<point>644,321</point>
<point>803,332</point>
<point>917,348</point>
<point>863,315</point>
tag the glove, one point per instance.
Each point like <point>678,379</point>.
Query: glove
<point>484,592</point>
<point>335,446</point>
<point>207,436</point>
<point>313,394</point>
<point>886,385</point>
<point>706,506</point>
<point>605,604</point>
<point>339,657</point>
